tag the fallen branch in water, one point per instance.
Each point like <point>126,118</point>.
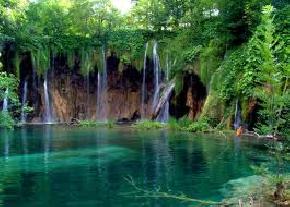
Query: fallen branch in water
<point>160,194</point>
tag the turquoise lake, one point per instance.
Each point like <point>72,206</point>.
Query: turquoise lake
<point>62,166</point>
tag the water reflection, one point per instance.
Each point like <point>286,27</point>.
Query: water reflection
<point>54,166</point>
<point>237,143</point>
<point>6,144</point>
<point>47,145</point>
<point>24,140</point>
<point>162,158</point>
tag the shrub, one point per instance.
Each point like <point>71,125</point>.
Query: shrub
<point>6,121</point>
<point>199,126</point>
<point>148,124</point>
<point>88,123</point>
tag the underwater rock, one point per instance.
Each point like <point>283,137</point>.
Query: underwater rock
<point>251,189</point>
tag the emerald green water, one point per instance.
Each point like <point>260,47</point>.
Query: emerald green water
<point>59,166</point>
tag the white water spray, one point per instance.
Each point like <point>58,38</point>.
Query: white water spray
<point>144,83</point>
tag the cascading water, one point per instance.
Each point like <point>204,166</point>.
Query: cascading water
<point>164,113</point>
<point>35,82</point>
<point>159,109</point>
<point>238,119</point>
<point>5,101</point>
<point>156,75</point>
<point>24,99</point>
<point>47,108</point>
<point>102,93</point>
<point>88,93</point>
<point>144,83</point>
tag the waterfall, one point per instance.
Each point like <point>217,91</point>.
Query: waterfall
<point>102,93</point>
<point>35,84</point>
<point>5,101</point>
<point>160,106</point>
<point>88,94</point>
<point>99,90</point>
<point>24,99</point>
<point>156,75</point>
<point>163,101</point>
<point>164,113</point>
<point>144,82</point>
<point>237,123</point>
<point>47,108</point>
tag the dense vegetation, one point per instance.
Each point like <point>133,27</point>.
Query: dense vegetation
<point>240,50</point>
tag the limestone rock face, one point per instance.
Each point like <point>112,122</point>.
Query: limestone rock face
<point>74,96</point>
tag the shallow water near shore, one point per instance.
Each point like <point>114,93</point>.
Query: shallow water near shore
<point>63,166</point>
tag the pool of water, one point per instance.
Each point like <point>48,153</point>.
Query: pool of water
<point>59,166</point>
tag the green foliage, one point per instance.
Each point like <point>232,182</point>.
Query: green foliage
<point>199,126</point>
<point>179,124</point>
<point>185,124</point>
<point>209,61</point>
<point>6,120</point>
<point>191,54</point>
<point>173,123</point>
<point>148,124</point>
<point>237,52</point>
<point>41,58</point>
<point>93,123</point>
<point>273,91</point>
<point>10,82</point>
<point>110,123</point>
<point>258,70</point>
<point>87,123</point>
<point>129,45</point>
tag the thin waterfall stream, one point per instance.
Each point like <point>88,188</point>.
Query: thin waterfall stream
<point>238,119</point>
<point>164,113</point>
<point>47,107</point>
<point>88,93</point>
<point>5,101</point>
<point>23,103</point>
<point>156,75</point>
<point>143,112</point>
<point>102,93</point>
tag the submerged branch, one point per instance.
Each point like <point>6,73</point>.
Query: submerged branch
<point>161,194</point>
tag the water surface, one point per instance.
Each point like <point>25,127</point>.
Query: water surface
<point>59,166</point>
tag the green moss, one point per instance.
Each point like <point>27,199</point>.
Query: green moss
<point>213,109</point>
<point>210,61</point>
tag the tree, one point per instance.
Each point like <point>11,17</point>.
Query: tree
<point>8,90</point>
<point>273,92</point>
